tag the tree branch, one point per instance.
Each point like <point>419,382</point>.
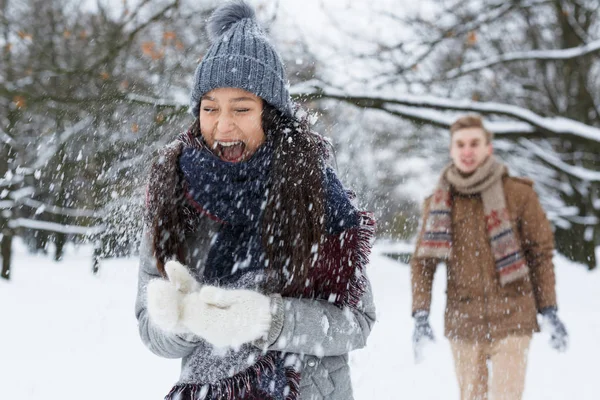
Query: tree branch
<point>54,227</point>
<point>539,55</point>
<point>583,174</point>
<point>554,126</point>
<point>5,137</point>
<point>69,212</point>
<point>493,14</point>
<point>155,102</point>
<point>130,37</point>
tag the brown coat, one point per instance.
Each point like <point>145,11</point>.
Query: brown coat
<point>477,307</point>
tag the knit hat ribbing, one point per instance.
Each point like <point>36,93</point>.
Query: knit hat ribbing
<point>240,56</point>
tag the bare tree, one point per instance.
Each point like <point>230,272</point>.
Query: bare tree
<point>85,95</point>
<point>530,66</point>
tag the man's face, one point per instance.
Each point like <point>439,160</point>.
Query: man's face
<point>469,149</point>
<point>231,123</point>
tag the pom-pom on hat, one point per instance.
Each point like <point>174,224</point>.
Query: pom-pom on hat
<point>240,56</point>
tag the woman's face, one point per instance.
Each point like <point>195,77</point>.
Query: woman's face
<point>231,123</point>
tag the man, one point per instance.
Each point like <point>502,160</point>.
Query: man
<point>492,233</point>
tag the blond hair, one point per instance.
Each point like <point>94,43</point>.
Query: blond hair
<point>471,121</point>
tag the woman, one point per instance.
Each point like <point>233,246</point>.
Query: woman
<point>253,257</point>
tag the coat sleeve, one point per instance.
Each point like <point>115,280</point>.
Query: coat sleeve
<point>161,343</point>
<point>422,271</point>
<point>538,246</point>
<point>320,328</point>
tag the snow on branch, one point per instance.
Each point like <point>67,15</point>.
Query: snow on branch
<point>381,99</point>
<point>6,204</point>
<point>54,227</point>
<point>69,212</point>
<point>577,172</point>
<point>22,193</point>
<point>10,180</point>
<point>444,120</point>
<point>548,55</point>
<point>5,138</point>
<point>153,101</point>
<point>584,220</point>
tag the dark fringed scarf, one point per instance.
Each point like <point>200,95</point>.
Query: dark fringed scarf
<point>487,181</point>
<point>234,195</point>
<point>268,379</point>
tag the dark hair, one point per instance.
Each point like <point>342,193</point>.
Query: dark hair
<point>166,206</point>
<point>293,222</point>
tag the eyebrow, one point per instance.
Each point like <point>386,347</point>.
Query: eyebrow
<point>235,100</point>
<point>468,140</point>
<point>238,99</point>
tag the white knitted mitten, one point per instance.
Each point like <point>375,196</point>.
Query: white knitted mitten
<point>227,317</point>
<point>165,297</point>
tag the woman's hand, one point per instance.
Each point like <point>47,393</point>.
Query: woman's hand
<point>222,317</point>
<point>227,317</point>
<point>165,297</point>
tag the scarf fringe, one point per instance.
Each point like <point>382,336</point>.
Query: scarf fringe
<point>293,379</point>
<point>364,235</point>
<point>241,386</point>
<point>338,274</point>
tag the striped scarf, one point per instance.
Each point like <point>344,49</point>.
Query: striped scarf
<point>487,181</point>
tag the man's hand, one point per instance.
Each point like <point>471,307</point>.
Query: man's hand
<point>559,338</point>
<point>422,334</point>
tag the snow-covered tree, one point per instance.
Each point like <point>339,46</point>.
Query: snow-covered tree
<point>531,67</point>
<point>83,91</point>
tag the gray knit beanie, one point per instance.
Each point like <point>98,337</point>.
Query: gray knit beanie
<point>240,56</point>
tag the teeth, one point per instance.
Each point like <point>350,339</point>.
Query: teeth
<point>228,144</point>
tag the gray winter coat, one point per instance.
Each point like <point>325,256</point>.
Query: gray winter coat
<point>321,333</point>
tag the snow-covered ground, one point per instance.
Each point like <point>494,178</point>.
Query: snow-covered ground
<point>68,335</point>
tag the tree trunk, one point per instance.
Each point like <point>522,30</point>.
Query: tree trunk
<point>59,242</point>
<point>6,250</point>
<point>96,258</point>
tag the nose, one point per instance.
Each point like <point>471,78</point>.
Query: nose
<point>225,123</point>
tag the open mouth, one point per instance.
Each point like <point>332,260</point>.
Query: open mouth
<point>234,151</point>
